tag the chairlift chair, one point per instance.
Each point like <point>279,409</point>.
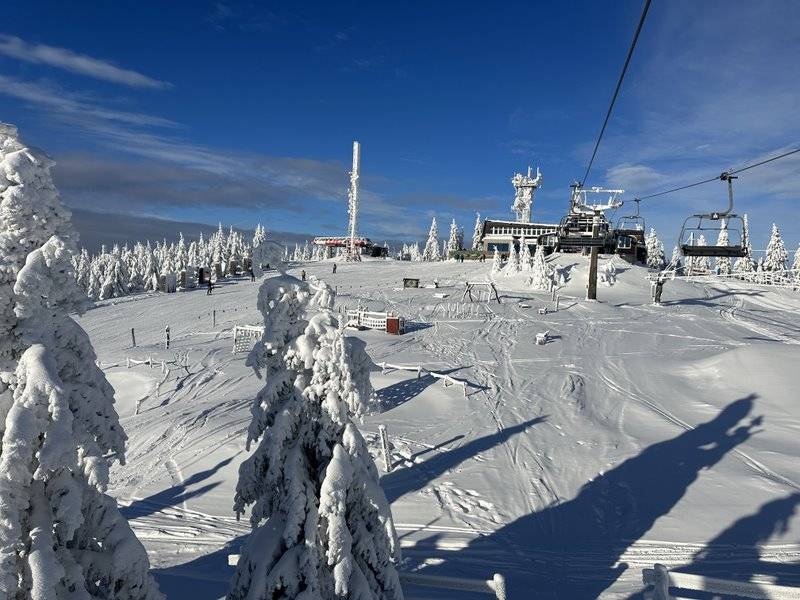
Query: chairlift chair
<point>713,223</point>
<point>633,222</point>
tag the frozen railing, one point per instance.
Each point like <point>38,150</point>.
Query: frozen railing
<point>659,581</point>
<point>366,319</point>
<point>447,380</point>
<point>496,586</point>
<point>789,278</point>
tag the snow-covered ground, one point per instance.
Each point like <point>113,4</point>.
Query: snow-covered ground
<point>638,434</point>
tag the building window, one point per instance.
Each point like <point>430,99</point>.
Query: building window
<point>624,242</point>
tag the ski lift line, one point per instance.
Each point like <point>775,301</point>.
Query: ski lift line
<point>617,89</point>
<point>718,177</point>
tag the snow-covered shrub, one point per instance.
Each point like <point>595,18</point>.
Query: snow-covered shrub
<point>608,273</point>
<point>322,527</point>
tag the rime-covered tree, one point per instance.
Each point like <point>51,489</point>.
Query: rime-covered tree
<point>776,255</point>
<point>744,264</point>
<point>61,537</point>
<point>525,259</point>
<point>497,261</point>
<point>259,248</point>
<point>431,252</point>
<point>477,231</point>
<point>414,253</point>
<point>655,250</point>
<point>796,264</point>
<point>541,273</point>
<point>675,260</point>
<point>322,528</point>
<point>512,264</point>
<point>115,282</point>
<point>723,263</point>
<point>453,244</point>
<point>701,264</point>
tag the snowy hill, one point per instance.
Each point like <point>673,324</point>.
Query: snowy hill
<point>637,434</point>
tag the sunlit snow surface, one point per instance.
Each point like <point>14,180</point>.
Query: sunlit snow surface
<point>639,434</point>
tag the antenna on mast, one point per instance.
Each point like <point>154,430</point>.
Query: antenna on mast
<point>353,252</point>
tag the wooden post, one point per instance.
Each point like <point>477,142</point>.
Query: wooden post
<point>387,459</point>
<point>133,338</point>
<point>591,288</point>
<point>214,318</point>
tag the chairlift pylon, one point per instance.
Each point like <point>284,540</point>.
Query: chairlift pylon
<point>714,223</point>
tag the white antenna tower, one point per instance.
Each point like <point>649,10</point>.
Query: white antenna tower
<point>525,186</point>
<point>353,253</point>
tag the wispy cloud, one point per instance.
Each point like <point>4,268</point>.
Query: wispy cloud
<point>66,104</point>
<point>63,58</point>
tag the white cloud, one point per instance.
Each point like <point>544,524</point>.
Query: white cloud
<point>73,62</point>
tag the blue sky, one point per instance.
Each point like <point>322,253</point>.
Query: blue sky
<point>246,112</point>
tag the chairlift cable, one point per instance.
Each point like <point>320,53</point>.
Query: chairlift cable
<point>718,177</point>
<point>619,86</point>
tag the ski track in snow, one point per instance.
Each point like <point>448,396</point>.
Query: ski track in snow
<point>578,392</point>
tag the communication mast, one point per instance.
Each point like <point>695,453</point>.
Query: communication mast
<point>525,186</point>
<point>353,252</point>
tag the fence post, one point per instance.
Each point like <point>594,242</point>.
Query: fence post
<point>133,338</point>
<point>499,586</point>
<point>387,459</point>
<point>658,577</point>
<point>214,318</point>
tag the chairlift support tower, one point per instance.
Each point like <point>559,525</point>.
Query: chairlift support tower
<point>525,186</point>
<point>353,252</point>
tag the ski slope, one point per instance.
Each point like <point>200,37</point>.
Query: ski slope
<point>638,434</point>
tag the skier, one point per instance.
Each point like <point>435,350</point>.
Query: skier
<point>334,268</point>
<point>210,287</point>
<point>252,275</point>
<point>303,274</point>
<point>657,287</point>
<point>166,334</point>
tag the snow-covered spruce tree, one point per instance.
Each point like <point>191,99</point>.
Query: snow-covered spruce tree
<point>512,264</point>
<point>541,273</point>
<point>524,255</point>
<point>701,264</point>
<point>796,262</point>
<point>415,254</point>
<point>453,245</point>
<point>723,263</point>
<point>322,527</point>
<point>776,255</point>
<point>744,264</point>
<point>60,536</point>
<point>675,260</point>
<point>655,250</point>
<point>476,232</point>
<point>431,252</point>
<point>259,246</point>
<point>115,282</point>
<point>497,262</point>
